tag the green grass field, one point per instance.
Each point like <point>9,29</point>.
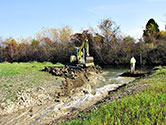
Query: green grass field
<point>13,69</point>
<point>146,107</point>
<point>16,77</point>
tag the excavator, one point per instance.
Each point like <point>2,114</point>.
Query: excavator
<point>81,54</point>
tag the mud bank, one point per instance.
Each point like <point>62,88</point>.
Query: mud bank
<point>74,76</point>
<point>136,74</point>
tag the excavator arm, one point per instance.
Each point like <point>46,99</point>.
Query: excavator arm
<point>84,45</point>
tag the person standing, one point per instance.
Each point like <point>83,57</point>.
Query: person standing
<point>132,65</point>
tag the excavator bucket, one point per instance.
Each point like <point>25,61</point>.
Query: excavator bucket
<point>89,61</point>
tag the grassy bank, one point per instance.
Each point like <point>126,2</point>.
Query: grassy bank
<point>145,107</point>
<point>16,77</point>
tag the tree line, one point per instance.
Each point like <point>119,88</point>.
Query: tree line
<point>107,46</point>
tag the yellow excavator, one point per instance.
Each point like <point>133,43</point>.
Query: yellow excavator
<point>81,54</point>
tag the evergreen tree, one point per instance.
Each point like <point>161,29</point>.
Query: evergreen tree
<point>151,31</point>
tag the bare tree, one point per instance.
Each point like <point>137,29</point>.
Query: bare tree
<point>109,30</point>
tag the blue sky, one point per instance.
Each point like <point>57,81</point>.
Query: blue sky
<point>23,18</point>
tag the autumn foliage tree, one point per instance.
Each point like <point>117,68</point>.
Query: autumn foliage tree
<point>49,45</point>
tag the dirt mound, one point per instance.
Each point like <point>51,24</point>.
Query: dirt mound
<point>71,71</point>
<point>75,76</point>
<point>136,74</point>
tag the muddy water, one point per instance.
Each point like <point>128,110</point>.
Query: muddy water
<point>87,95</point>
<point>111,76</point>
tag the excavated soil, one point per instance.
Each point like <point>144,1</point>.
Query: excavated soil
<point>75,77</point>
<point>136,74</point>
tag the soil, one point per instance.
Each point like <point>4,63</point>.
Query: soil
<point>135,74</point>
<point>75,77</point>
<point>33,96</point>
